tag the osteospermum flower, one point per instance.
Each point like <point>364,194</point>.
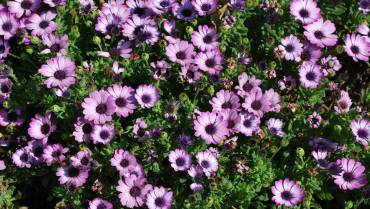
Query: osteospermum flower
<point>6,86</point>
<point>23,7</point>
<point>2,165</point>
<point>225,99</point>
<point>208,162</point>
<point>54,3</point>
<point>83,130</point>
<point>160,69</point>
<point>99,107</point>
<point>108,24</point>
<point>133,26</point>
<point>211,127</point>
<point>286,192</point>
<point>162,6</point>
<point>37,150</point>
<point>233,120</point>
<point>344,103</point>
<point>124,99</point>
<point>181,52</point>
<point>8,25</point>
<point>321,32</point>
<point>288,82</point>
<point>291,47</point>
<point>352,176</point>
<point>310,75</point>
<point>310,53</point>
<point>147,96</point>
<point>123,161</point>
<point>83,158</point>
<point>361,130</point>
<point>22,158</point>
<point>191,73</point>
<point>210,61</point>
<point>358,47</point>
<point>54,153</point>
<point>180,159</point>
<point>205,7</point>
<point>60,72</point>
<point>246,84</point>
<point>363,29</point>
<point>87,6</point>
<point>103,134</point>
<point>133,191</point>
<point>99,203</point>
<point>73,176</point>
<point>364,6</point>
<point>41,24</point>
<point>314,120</point>
<point>55,44</point>
<point>305,11</point>
<point>159,198</point>
<point>275,127</point>
<point>330,64</point>
<point>41,126</point>
<point>184,11</point>
<point>249,123</point>
<point>122,50</point>
<point>13,118</point>
<point>140,131</point>
<point>4,49</point>
<point>256,102</point>
<point>274,100</point>
<point>205,38</point>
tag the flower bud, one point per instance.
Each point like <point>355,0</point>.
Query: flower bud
<point>189,29</point>
<point>300,152</point>
<point>35,40</point>
<point>97,40</point>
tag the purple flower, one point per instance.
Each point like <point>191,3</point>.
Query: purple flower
<point>148,34</point>
<point>117,70</point>
<point>310,53</point>
<point>361,130</point>
<point>364,6</point>
<point>211,127</point>
<point>275,127</point>
<point>249,123</point>
<point>133,191</point>
<point>205,7</point>
<point>314,120</point>
<point>310,75</point>
<point>72,176</point>
<point>184,11</point>
<point>60,72</point>
<point>210,61</point>
<point>228,21</point>
<point>287,193</point>
<point>83,158</point>
<point>99,107</point>
<point>288,82</point>
<point>181,52</point>
<point>99,203</point>
<point>147,95</point>
<point>141,8</point>
<point>41,126</point>
<point>6,86</point>
<point>4,49</point>
<point>54,3</point>
<point>13,118</point>
<point>225,100</point>
<point>237,4</point>
<point>8,25</point>
<point>319,143</point>
<point>246,84</point>
<point>196,187</point>
<point>159,198</point>
<point>196,171</point>
<point>160,69</point>
<point>190,73</point>
<point>124,100</point>
<point>132,27</point>
<point>2,165</point>
<point>123,161</point>
<point>358,47</point>
<point>41,24</point>
<point>343,103</point>
<point>55,44</point>
<point>274,100</point>
<point>37,150</point>
<point>108,25</point>
<point>122,50</point>
<point>22,157</point>
<point>140,129</point>
<point>291,47</point>
<point>83,130</point>
<point>363,29</point>
<point>321,33</point>
<point>320,156</point>
<point>205,38</point>
<point>256,102</point>
<point>184,140</point>
<point>54,153</point>
<point>208,162</point>
<point>305,11</point>
<point>330,64</point>
<point>162,6</point>
<point>87,6</point>
<point>180,159</point>
<point>352,175</point>
<point>103,134</point>
<point>23,7</point>
<point>233,120</point>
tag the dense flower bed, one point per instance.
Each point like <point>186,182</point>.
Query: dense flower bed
<point>184,104</point>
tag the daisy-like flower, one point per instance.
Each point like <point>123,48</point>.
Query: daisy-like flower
<point>364,6</point>
<point>184,11</point>
<point>133,191</point>
<point>224,100</point>
<point>6,86</point>
<point>99,107</point>
<point>314,120</point>
<point>321,32</point>
<point>87,6</point>
<point>123,161</point>
<point>181,52</point>
<point>4,49</point>
<point>190,73</point>
<point>352,176</point>
<point>148,34</point>
<point>103,134</point>
<point>249,123</point>
<point>72,176</point>
<point>363,29</point>
<point>41,126</point>
<point>160,69</point>
<point>286,192</point>
<point>132,27</point>
<point>147,95</point>
<point>275,127</point>
<point>13,118</point>
<point>140,8</point>
<point>288,82</point>
<point>361,130</point>
<point>99,203</point>
<point>274,100</point>
<point>37,150</point>
<point>22,158</point>
<point>124,99</point>
<point>140,131</point>
<point>319,143</point>
<point>42,24</point>
<point>246,84</point>
<point>344,103</point>
<point>108,24</point>
<point>123,50</point>
<point>305,11</point>
<point>196,187</point>
<point>23,7</point>
<point>184,140</point>
<point>358,47</point>
<point>205,7</point>
<point>211,127</point>
<point>210,61</point>
<point>233,120</point>
<point>83,130</point>
<point>55,44</point>
<point>159,198</point>
<point>256,102</point>
<point>2,165</point>
<point>320,156</point>
<point>237,4</point>
<point>310,75</point>
<point>208,162</point>
<point>54,3</point>
<point>205,38</point>
<point>60,72</point>
<point>291,47</point>
<point>330,64</point>
<point>8,25</point>
<point>180,159</point>
<point>310,53</point>
<point>162,6</point>
<point>83,158</point>
<point>54,153</point>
